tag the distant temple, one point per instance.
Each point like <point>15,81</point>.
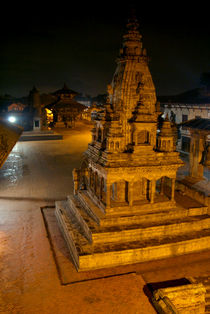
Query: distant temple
<point>65,108</point>
<point>123,210</point>
<point>37,111</point>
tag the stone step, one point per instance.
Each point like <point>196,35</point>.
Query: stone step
<point>106,246</point>
<point>142,228</point>
<point>86,256</point>
<point>92,210</point>
<point>111,255</point>
<point>73,220</point>
<point>175,214</point>
<point>68,232</point>
<point>140,208</point>
<point>84,219</point>
<point>77,243</point>
<point>146,232</point>
<point>154,208</point>
<point>136,216</point>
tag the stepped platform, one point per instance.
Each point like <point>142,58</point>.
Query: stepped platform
<point>124,236</point>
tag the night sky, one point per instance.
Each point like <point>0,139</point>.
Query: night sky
<point>48,44</point>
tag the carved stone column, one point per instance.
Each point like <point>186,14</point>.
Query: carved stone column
<point>101,188</point>
<point>96,183</point>
<point>173,180</point>
<point>130,195</point>
<point>162,182</point>
<point>108,195</point>
<point>196,154</point>
<point>76,179</point>
<point>90,178</point>
<point>152,190</point>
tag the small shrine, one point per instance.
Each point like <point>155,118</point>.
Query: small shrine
<point>123,210</point>
<point>199,149</point>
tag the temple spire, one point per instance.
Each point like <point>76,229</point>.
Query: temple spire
<point>132,39</point>
<point>132,20</point>
<point>132,92</point>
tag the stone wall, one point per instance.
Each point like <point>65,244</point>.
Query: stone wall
<point>194,194</point>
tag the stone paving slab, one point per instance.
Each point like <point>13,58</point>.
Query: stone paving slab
<point>39,136</point>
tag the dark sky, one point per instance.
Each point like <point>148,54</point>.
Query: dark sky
<point>48,44</point>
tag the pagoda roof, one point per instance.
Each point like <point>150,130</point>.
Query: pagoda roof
<point>64,90</point>
<point>66,103</point>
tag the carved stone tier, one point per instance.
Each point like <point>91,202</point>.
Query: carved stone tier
<point>127,234</point>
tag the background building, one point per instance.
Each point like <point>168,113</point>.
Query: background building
<point>186,106</point>
<point>37,111</point>
<point>65,108</point>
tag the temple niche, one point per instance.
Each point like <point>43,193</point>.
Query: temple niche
<point>123,210</point>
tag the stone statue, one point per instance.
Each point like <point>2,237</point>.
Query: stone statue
<point>207,156</point>
<point>109,89</point>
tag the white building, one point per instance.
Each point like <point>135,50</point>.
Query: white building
<point>187,106</point>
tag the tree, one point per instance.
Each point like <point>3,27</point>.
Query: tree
<point>205,79</point>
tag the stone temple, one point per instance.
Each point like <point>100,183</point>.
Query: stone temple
<point>123,210</point>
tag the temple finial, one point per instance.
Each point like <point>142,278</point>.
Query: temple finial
<point>132,23</point>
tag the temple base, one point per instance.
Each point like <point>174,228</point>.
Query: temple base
<point>98,240</point>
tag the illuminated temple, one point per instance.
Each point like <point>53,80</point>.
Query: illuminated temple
<point>123,210</point>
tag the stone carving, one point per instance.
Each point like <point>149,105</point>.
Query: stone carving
<point>207,156</point>
<point>184,299</point>
<point>110,89</point>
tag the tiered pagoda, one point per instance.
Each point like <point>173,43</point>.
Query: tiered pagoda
<point>123,209</point>
<point>65,108</point>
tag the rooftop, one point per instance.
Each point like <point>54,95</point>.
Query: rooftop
<point>198,124</point>
<point>64,90</point>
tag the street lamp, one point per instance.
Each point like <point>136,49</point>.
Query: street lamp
<point>12,119</point>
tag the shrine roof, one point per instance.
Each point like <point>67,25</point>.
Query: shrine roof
<point>198,124</point>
